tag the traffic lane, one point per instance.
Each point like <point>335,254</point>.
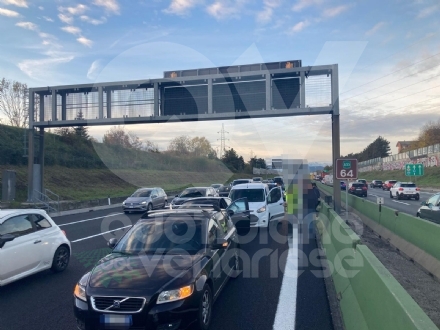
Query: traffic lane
<point>409,206</point>
<point>85,215</point>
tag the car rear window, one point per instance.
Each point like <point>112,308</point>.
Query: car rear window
<point>378,181</point>
<point>408,185</point>
<point>358,185</point>
<point>392,181</point>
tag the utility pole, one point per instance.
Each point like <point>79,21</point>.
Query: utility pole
<point>222,140</point>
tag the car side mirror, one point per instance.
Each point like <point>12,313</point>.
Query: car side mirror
<point>176,196</point>
<point>154,196</point>
<point>112,243</point>
<point>221,243</point>
<point>231,212</point>
<point>6,238</point>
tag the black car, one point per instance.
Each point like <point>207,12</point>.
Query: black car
<point>241,181</point>
<point>376,183</point>
<point>193,192</point>
<point>358,188</point>
<point>164,273</point>
<point>223,191</point>
<point>430,210</point>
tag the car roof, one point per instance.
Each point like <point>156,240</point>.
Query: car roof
<point>197,188</point>
<point>7,213</point>
<point>251,185</point>
<point>201,214</point>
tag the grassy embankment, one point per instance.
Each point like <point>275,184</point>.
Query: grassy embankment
<point>431,179</point>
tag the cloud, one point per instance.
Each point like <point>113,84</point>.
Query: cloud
<point>38,69</point>
<point>302,4</point>
<point>375,28</point>
<point>94,69</point>
<point>266,14</point>
<point>428,11</point>
<point>181,7</point>
<point>48,19</point>
<point>18,3</point>
<point>71,29</point>
<point>111,6</point>
<point>41,7</point>
<point>335,11</point>
<point>226,9</point>
<point>8,13</point>
<point>78,10</point>
<point>27,26</point>
<point>84,41</point>
<point>65,19</point>
<point>93,20</point>
<point>298,27</point>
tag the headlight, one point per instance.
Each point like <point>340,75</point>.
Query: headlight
<point>261,209</point>
<point>174,295</point>
<point>143,203</point>
<point>123,203</point>
<point>80,288</point>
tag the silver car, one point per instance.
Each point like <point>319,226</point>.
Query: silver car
<point>145,199</point>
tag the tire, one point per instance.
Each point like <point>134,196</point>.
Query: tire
<point>125,212</point>
<point>417,197</point>
<point>61,259</point>
<point>149,207</point>
<point>205,309</point>
<point>366,195</point>
<point>418,215</point>
<point>165,205</point>
<point>399,197</point>
<point>237,264</point>
<point>391,195</point>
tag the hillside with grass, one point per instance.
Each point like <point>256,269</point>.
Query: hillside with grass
<point>79,169</point>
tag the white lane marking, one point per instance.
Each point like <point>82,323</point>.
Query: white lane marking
<point>110,231</point>
<point>401,203</point>
<point>375,195</point>
<point>75,222</point>
<point>286,309</point>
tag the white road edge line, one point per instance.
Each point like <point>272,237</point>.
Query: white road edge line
<point>286,310</point>
<point>110,231</point>
<point>75,222</point>
<point>401,203</point>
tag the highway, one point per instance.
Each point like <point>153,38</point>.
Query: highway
<point>280,293</point>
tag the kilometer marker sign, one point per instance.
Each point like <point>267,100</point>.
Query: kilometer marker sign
<point>346,169</point>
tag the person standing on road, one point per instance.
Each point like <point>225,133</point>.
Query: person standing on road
<point>317,194</point>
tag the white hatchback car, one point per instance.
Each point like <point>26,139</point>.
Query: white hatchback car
<point>30,242</point>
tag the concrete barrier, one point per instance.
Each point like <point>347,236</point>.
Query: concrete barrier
<point>370,297</point>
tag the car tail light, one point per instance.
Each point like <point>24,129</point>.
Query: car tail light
<point>418,189</point>
<point>400,189</point>
<point>364,188</point>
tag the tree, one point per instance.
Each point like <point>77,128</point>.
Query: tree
<point>379,148</point>
<point>429,135</point>
<point>200,146</point>
<point>81,131</point>
<point>180,145</point>
<point>14,100</point>
<point>150,146</point>
<point>233,161</point>
<point>257,162</point>
<point>116,136</point>
<point>197,146</point>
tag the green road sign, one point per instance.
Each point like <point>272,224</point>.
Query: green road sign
<point>346,164</point>
<point>414,170</point>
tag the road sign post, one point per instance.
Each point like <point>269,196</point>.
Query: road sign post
<point>346,169</point>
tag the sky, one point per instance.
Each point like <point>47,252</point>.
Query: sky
<point>388,54</point>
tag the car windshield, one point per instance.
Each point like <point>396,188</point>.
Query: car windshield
<point>236,182</point>
<point>142,193</point>
<point>408,185</point>
<point>216,186</point>
<point>252,195</point>
<point>167,235</point>
<point>394,181</point>
<point>193,192</point>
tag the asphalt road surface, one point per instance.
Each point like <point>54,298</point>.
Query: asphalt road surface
<point>279,289</point>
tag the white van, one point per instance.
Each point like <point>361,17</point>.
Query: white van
<point>265,206</point>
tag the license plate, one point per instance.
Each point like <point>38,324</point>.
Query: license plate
<point>131,207</point>
<point>113,321</point>
<point>358,189</point>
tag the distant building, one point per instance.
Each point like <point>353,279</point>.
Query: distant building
<point>403,145</point>
<point>277,163</point>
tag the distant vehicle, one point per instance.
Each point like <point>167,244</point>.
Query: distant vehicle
<point>358,189</point>
<point>189,193</point>
<point>343,185</point>
<point>30,242</point>
<point>241,181</point>
<point>363,181</point>
<point>270,181</point>
<point>328,180</point>
<point>388,184</point>
<point>405,190</point>
<point>216,185</point>
<point>279,180</point>
<point>376,183</point>
<point>265,205</point>
<point>265,181</point>
<point>257,179</point>
<point>430,210</point>
<point>159,290</point>
<point>145,199</point>
<point>223,191</point>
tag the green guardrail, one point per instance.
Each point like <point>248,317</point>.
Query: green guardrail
<point>370,297</point>
<point>419,232</point>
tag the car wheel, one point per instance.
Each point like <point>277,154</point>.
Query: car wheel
<point>391,195</point>
<point>205,309</point>
<point>417,197</point>
<point>236,270</point>
<point>126,212</point>
<point>418,215</point>
<point>366,195</point>
<point>165,205</point>
<point>60,259</point>
<point>150,207</point>
<point>398,196</point>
